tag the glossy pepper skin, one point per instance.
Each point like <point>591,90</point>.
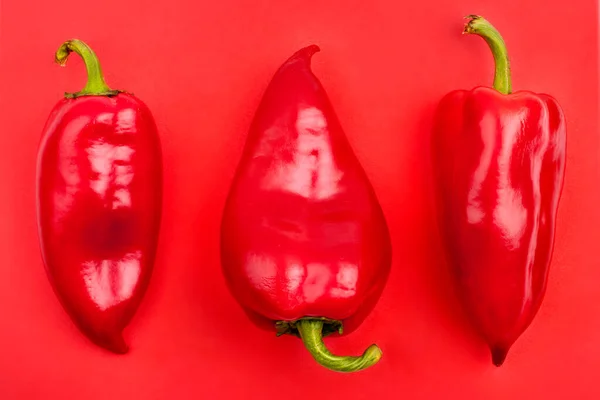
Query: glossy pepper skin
<point>499,159</point>
<point>99,193</point>
<point>305,246</point>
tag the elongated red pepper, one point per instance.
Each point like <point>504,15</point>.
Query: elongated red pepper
<point>500,162</point>
<point>99,194</point>
<point>305,247</point>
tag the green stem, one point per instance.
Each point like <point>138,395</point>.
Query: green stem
<point>95,86</point>
<point>311,332</point>
<point>480,26</point>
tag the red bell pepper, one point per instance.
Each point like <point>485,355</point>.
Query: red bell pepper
<point>99,194</point>
<point>499,160</point>
<point>305,247</point>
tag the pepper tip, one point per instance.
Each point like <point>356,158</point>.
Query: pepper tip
<point>498,355</point>
<point>310,50</point>
<point>306,53</point>
<point>113,343</point>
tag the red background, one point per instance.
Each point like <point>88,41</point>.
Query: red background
<point>202,67</point>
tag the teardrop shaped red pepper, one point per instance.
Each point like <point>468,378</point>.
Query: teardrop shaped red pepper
<point>305,247</point>
<point>99,194</point>
<point>499,160</point>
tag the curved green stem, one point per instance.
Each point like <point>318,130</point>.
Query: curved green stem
<point>311,332</point>
<point>95,86</point>
<point>480,26</point>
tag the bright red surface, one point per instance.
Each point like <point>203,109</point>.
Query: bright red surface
<point>303,233</point>
<point>99,208</point>
<point>202,68</point>
<point>499,163</point>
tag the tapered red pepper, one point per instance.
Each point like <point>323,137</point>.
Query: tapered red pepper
<point>499,159</point>
<point>99,184</point>
<point>305,247</point>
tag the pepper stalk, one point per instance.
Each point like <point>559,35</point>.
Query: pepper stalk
<point>479,26</point>
<point>310,331</point>
<point>95,85</point>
